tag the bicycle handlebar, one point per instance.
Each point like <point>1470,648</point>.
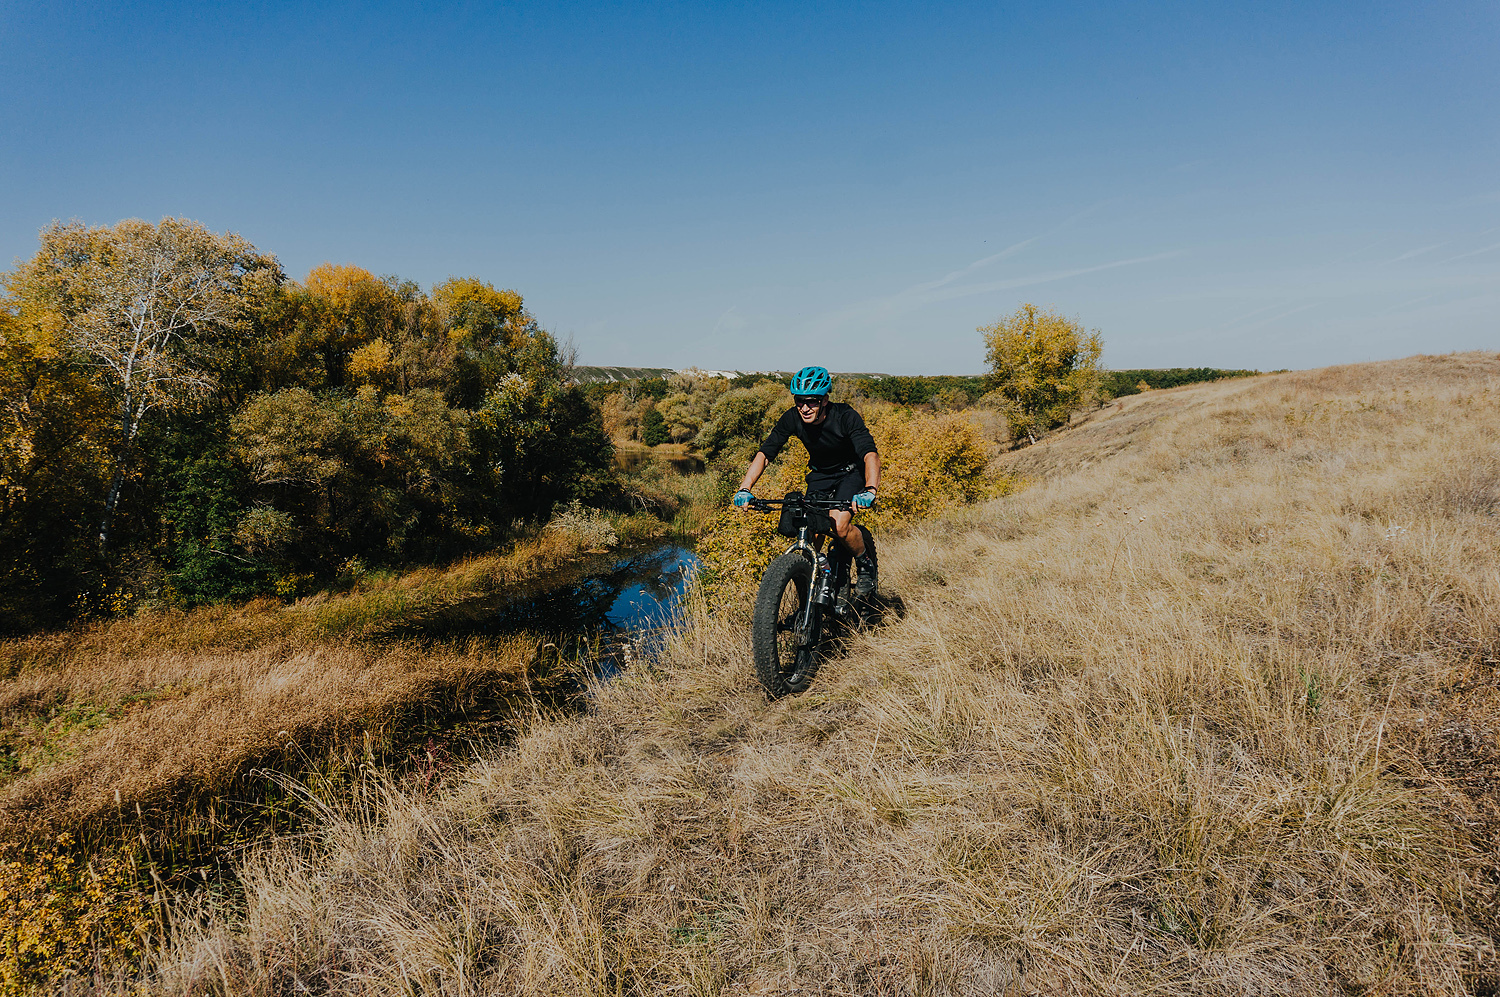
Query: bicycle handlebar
<point>771,505</point>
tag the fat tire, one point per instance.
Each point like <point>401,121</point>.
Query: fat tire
<point>783,667</point>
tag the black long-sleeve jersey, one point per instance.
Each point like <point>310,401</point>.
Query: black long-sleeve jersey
<point>833,444</point>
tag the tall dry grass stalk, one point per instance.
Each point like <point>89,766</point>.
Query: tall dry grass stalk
<point>1210,708</point>
<point>165,709</point>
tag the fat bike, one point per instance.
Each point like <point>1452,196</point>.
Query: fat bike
<point>801,592</point>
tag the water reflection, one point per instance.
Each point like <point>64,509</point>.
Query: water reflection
<point>606,613</point>
<point>631,461</point>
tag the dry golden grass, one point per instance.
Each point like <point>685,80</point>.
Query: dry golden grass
<point>163,710</point>
<point>1212,707</point>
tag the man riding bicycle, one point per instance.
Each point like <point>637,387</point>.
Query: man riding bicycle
<point>842,463</point>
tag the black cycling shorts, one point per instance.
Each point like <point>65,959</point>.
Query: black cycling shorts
<point>838,486</point>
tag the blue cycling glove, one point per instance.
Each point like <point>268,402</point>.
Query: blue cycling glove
<point>742,498</point>
<point>864,499</point>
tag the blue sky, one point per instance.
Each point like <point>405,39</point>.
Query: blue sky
<point>768,185</point>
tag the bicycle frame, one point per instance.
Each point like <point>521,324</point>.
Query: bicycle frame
<point>821,589</point>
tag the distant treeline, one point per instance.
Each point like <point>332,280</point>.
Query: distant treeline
<point>917,390</point>
<point>718,415</point>
<point>1118,383</point>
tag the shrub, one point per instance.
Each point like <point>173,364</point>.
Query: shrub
<point>588,526</point>
<point>62,919</point>
<point>1043,365</point>
<point>741,418</point>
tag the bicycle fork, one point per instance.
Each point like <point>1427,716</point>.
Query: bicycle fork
<point>819,589</point>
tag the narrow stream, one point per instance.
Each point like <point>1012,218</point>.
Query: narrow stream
<point>603,612</point>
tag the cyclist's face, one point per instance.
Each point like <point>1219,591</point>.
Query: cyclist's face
<point>809,406</point>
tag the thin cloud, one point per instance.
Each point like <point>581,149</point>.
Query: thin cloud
<point>1005,253</point>
<point>1366,247</point>
<point>976,265</point>
<point>1278,317</point>
<point>966,290</point>
<point>1413,253</point>
<point>1464,256</point>
<point>1235,323</point>
<point>729,321</point>
<point>1407,304</point>
<point>944,290</point>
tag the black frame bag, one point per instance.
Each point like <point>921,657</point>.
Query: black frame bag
<point>795,515</point>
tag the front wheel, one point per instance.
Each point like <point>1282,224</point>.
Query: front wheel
<point>783,636</point>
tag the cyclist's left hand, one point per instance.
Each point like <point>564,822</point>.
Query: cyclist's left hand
<point>864,499</point>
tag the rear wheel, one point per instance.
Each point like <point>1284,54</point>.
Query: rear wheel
<point>786,656</point>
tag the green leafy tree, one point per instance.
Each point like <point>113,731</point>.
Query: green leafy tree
<point>200,494</point>
<point>357,474</point>
<point>740,419</point>
<point>654,430</point>
<point>680,416</point>
<point>1042,365</point>
<point>144,309</point>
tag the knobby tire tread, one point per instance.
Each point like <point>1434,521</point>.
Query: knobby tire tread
<point>780,674</point>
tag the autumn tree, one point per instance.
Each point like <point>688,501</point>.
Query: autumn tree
<point>144,309</point>
<point>168,397</point>
<point>1042,365</point>
<point>350,475</point>
<point>740,419</point>
<point>53,423</point>
<point>430,422</point>
<point>621,416</point>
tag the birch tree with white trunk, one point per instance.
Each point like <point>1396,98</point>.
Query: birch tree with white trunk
<point>145,309</point>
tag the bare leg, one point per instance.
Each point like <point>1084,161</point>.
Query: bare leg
<point>847,532</point>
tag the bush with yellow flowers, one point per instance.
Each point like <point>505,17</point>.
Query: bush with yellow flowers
<point>62,918</point>
<point>928,463</point>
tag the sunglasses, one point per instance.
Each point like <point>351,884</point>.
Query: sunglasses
<point>807,401</point>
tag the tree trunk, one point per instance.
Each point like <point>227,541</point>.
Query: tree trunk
<point>109,504</point>
<point>129,421</point>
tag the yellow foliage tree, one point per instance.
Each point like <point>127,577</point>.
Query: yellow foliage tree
<point>480,314</point>
<point>144,309</point>
<point>371,362</point>
<point>1043,365</point>
<point>344,285</point>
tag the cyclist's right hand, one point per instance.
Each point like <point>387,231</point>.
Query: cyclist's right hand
<point>742,498</point>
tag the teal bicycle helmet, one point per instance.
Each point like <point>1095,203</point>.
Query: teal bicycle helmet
<point>811,381</point>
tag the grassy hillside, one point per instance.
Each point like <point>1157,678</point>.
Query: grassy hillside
<point>1211,707</point>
